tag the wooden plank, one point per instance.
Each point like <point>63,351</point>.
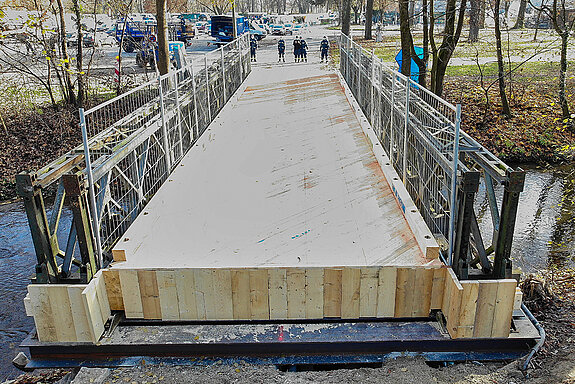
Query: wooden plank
<point>241,294</point>
<point>222,287</point>
<point>79,316</point>
<point>113,289</point>
<point>422,292</point>
<point>278,293</point>
<point>131,294</point>
<point>102,296</point>
<point>456,293</point>
<point>204,293</point>
<point>332,294</point>
<point>314,293</point>
<point>386,292</point>
<point>119,255</point>
<point>438,288</point>
<point>43,315</point>
<point>93,310</point>
<point>518,299</point>
<point>168,294</point>
<point>259,294</point>
<point>295,293</point>
<point>468,308</point>
<point>62,312</point>
<point>503,308</point>
<point>150,294</point>
<point>28,305</point>
<point>368,292</point>
<point>485,308</point>
<point>404,293</point>
<point>350,289</point>
<point>186,290</point>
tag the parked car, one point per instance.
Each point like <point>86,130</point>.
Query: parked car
<point>278,29</point>
<point>288,29</point>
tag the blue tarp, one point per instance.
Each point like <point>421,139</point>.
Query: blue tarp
<point>414,67</point>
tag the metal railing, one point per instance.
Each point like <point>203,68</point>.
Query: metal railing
<point>131,145</point>
<point>440,165</point>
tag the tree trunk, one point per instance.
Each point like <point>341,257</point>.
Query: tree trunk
<point>405,33</point>
<point>500,69</point>
<point>80,74</point>
<point>70,96</point>
<point>368,19</point>
<point>345,17</point>
<point>474,20</point>
<point>163,53</point>
<point>411,13</point>
<point>451,35</point>
<point>562,75</point>
<point>482,6</point>
<point>520,23</point>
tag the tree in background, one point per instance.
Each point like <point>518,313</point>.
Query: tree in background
<point>368,19</point>
<point>163,53</point>
<point>520,22</point>
<point>474,20</point>
<point>506,111</point>
<point>345,16</point>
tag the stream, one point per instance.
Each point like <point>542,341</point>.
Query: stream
<point>544,239</point>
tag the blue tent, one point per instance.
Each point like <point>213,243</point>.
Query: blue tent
<point>414,68</point>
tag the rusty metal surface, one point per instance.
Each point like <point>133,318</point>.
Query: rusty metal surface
<point>285,177</point>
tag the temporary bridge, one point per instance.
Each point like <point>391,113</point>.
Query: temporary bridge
<point>291,213</point>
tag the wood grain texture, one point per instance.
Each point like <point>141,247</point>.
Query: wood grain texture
<point>278,293</point>
<point>131,293</point>
<point>438,288</point>
<point>423,285</point>
<point>204,293</point>
<point>43,315</point>
<point>404,293</point>
<point>332,294</point>
<point>296,293</point>
<point>468,308</point>
<point>113,289</point>
<point>350,290</point>
<point>259,294</point>
<point>62,312</point>
<point>386,292</point>
<point>186,290</point>
<point>368,292</point>
<point>93,309</point>
<point>150,294</point>
<point>79,316</point>
<point>241,294</point>
<point>314,293</point>
<point>456,294</point>
<point>503,308</point>
<point>168,294</point>
<point>102,296</point>
<point>485,308</point>
<point>222,286</point>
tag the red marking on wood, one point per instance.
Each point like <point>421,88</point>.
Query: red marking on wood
<point>281,333</point>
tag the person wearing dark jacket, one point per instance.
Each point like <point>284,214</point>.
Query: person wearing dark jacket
<point>296,48</point>
<point>281,50</point>
<point>324,48</point>
<point>303,49</point>
<point>253,48</point>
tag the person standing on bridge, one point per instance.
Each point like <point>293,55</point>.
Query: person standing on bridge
<point>253,48</point>
<point>282,50</point>
<point>296,48</point>
<point>303,48</point>
<point>324,48</point>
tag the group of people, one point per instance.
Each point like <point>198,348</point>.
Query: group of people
<point>299,49</point>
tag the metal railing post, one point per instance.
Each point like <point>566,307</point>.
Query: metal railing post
<point>405,129</point>
<point>208,90</point>
<point>391,113</point>
<point>358,94</point>
<point>165,141</point>
<point>453,199</point>
<point>239,45</point>
<point>178,115</point>
<point>347,58</point>
<point>223,75</point>
<point>372,86</point>
<point>91,191</point>
<point>197,127</point>
<point>379,97</point>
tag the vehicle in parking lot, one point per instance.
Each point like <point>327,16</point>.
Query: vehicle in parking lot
<point>288,28</point>
<point>278,29</point>
<point>222,28</point>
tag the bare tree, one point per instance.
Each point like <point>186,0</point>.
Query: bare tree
<point>345,17</point>
<point>368,19</point>
<point>163,53</point>
<point>474,20</point>
<point>500,66</point>
<point>520,22</point>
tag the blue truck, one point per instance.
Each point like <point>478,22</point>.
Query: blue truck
<point>222,28</point>
<point>137,33</point>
